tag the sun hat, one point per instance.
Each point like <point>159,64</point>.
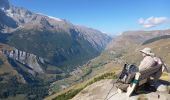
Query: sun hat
<point>147,51</point>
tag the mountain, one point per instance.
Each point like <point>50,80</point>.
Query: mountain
<point>127,44</point>
<point>19,75</point>
<point>58,47</point>
<point>112,60</point>
<point>135,37</point>
<point>133,40</point>
<point>56,40</point>
<point>37,50</point>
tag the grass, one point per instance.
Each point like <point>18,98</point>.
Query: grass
<point>94,67</point>
<point>165,76</point>
<point>87,73</point>
<point>72,92</point>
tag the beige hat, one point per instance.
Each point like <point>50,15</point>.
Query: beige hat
<point>147,51</point>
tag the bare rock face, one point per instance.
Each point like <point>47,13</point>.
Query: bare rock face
<point>104,90</point>
<point>162,88</point>
<point>28,59</point>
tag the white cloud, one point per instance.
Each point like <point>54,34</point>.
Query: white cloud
<point>152,21</point>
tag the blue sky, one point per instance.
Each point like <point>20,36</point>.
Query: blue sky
<point>110,16</point>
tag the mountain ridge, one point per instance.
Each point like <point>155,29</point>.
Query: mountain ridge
<point>40,49</point>
<point>28,23</point>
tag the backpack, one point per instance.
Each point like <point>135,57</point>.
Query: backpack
<point>128,70</point>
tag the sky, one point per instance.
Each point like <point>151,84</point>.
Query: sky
<point>109,16</point>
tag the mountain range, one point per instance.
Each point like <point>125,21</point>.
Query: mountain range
<point>42,55</point>
<point>39,49</point>
<point>57,41</point>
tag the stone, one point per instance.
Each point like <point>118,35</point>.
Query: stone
<point>162,88</point>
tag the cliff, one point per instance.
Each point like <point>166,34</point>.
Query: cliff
<point>31,61</point>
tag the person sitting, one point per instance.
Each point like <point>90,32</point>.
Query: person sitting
<point>151,67</point>
<point>150,60</point>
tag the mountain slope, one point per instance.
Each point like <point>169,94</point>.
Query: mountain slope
<point>129,38</point>
<point>57,47</point>
<point>56,40</point>
<point>43,49</point>
<point>160,46</point>
<point>16,81</point>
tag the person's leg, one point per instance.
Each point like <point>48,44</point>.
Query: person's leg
<point>132,87</point>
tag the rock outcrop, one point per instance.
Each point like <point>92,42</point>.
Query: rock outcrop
<point>104,90</point>
<point>30,60</point>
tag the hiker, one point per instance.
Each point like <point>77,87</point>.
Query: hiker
<point>132,77</point>
<point>149,61</point>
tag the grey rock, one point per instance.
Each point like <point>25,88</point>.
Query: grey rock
<point>104,90</point>
<point>162,88</point>
<point>28,59</point>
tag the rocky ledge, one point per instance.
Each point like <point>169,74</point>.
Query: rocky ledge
<point>104,90</point>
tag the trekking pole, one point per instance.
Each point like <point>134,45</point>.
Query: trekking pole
<point>164,65</point>
<point>118,77</point>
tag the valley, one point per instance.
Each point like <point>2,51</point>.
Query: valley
<point>45,57</point>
